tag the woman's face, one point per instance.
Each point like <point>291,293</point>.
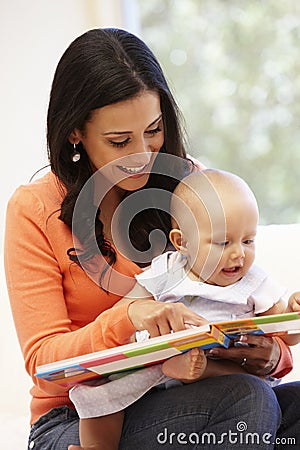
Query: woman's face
<point>124,138</point>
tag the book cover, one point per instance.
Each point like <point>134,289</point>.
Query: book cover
<point>277,324</point>
<point>68,372</point>
<point>71,371</point>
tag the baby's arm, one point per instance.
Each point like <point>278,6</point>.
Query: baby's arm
<point>279,308</point>
<point>293,306</point>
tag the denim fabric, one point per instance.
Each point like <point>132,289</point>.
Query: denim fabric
<point>227,412</point>
<point>288,396</point>
<point>213,413</point>
<point>55,430</point>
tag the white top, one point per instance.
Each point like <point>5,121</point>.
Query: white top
<point>167,280</point>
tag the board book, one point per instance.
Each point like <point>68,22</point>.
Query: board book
<point>71,371</point>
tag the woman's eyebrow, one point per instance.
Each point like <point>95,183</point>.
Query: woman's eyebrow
<point>156,120</point>
<point>127,132</point>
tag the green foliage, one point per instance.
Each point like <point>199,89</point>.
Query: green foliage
<point>234,69</point>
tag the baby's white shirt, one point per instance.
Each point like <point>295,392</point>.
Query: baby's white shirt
<point>167,280</point>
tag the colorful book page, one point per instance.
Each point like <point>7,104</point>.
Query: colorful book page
<point>70,376</point>
<point>123,351</point>
<point>135,361</point>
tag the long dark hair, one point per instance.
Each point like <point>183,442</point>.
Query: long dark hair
<point>99,68</point>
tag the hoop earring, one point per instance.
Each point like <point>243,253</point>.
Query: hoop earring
<point>76,155</point>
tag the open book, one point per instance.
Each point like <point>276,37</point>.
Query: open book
<point>71,371</point>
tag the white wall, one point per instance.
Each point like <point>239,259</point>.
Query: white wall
<point>33,36</point>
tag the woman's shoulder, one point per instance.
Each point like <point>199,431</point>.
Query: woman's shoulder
<point>45,190</point>
<point>36,200</point>
<point>195,163</point>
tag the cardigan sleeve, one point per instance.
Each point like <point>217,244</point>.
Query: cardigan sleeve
<point>285,363</point>
<point>36,291</point>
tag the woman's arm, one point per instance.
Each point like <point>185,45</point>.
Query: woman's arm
<point>157,318</point>
<point>39,277</point>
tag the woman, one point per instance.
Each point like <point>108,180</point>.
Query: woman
<point>113,132</point>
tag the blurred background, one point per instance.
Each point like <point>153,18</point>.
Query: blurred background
<point>233,67</point>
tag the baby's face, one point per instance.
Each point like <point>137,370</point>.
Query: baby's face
<point>227,244</point>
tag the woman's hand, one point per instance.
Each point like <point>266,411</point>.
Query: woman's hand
<point>162,318</point>
<point>260,357</point>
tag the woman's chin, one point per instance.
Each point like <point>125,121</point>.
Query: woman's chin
<point>134,182</point>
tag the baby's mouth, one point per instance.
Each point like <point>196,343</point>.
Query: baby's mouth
<point>231,270</point>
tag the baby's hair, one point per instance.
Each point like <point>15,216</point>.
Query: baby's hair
<point>207,187</point>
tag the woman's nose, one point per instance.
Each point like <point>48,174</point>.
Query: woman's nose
<point>139,155</point>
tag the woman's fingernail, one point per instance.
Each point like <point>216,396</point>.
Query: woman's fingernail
<point>213,352</point>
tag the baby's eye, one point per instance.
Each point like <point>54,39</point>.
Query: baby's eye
<point>222,244</point>
<point>248,241</point>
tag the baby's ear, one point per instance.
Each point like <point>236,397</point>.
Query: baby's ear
<point>178,241</point>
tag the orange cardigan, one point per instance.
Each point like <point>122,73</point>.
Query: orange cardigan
<point>59,312</point>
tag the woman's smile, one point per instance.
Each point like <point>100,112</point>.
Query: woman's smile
<point>140,170</point>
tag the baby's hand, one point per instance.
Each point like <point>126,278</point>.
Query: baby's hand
<point>294,302</point>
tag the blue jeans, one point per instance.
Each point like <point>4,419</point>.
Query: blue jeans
<point>228,412</point>
<point>55,430</point>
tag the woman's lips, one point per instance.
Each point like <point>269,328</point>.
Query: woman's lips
<point>134,172</point>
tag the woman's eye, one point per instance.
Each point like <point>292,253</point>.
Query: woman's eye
<point>120,144</point>
<point>155,130</point>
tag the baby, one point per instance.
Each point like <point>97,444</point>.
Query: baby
<point>212,271</point>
